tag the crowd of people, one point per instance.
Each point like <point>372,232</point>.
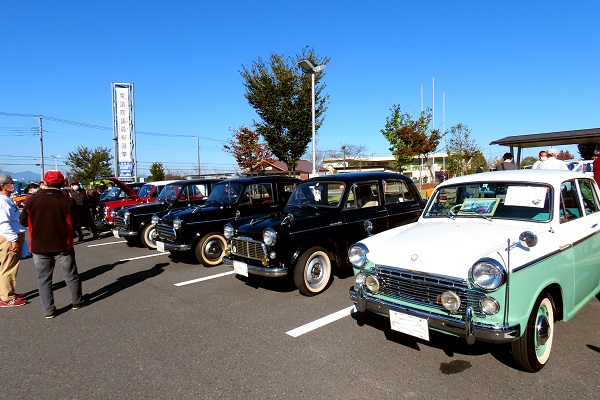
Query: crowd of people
<point>53,218</point>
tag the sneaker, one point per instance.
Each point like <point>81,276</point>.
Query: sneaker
<point>84,300</point>
<point>13,303</point>
<point>19,295</point>
<point>50,316</point>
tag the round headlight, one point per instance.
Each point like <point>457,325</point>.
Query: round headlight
<point>372,284</point>
<point>154,219</point>
<point>113,213</point>
<point>269,236</point>
<point>126,215</point>
<point>228,231</point>
<point>360,278</point>
<point>177,223</point>
<point>488,274</point>
<point>489,306</point>
<point>450,301</point>
<point>357,254</point>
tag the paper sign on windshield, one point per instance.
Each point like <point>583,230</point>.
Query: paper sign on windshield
<point>526,196</point>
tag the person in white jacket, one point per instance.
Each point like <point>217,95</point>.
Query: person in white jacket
<point>542,156</point>
<point>12,235</point>
<point>552,162</point>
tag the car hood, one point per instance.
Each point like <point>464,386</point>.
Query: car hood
<point>299,218</point>
<point>191,213</point>
<point>447,247</point>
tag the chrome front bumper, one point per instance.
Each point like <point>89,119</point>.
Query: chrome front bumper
<point>127,233</point>
<point>260,270</point>
<point>176,247</point>
<point>466,328</point>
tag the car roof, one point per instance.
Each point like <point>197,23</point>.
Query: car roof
<point>262,178</point>
<point>359,176</point>
<point>552,176</point>
<point>194,181</point>
<point>158,183</point>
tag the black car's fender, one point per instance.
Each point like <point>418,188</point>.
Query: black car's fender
<point>328,244</point>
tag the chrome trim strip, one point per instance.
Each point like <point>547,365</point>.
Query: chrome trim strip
<point>127,233</point>
<point>470,330</point>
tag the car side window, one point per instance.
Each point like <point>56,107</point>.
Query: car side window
<point>588,196</point>
<point>362,195</point>
<point>285,191</point>
<point>259,193</point>
<point>396,192</point>
<point>569,202</point>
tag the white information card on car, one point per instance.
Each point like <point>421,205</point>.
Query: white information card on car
<point>240,268</point>
<point>115,233</point>
<point>160,246</point>
<point>409,325</point>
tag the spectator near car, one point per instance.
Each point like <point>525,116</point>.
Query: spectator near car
<point>324,216</point>
<point>133,222</point>
<point>199,230</point>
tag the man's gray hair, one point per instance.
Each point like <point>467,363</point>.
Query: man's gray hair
<point>5,179</point>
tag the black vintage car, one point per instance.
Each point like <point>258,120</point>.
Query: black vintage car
<point>199,230</point>
<point>133,222</point>
<point>322,219</point>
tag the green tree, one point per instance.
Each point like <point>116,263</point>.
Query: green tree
<point>281,95</point>
<point>246,148</point>
<point>157,172</point>
<point>409,138</point>
<point>464,155</point>
<point>86,164</point>
<point>528,161</point>
<point>586,150</point>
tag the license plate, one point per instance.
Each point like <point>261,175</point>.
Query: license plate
<point>240,268</point>
<point>115,233</point>
<point>160,246</point>
<point>410,325</point>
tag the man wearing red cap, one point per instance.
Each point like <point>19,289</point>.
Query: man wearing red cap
<point>51,217</point>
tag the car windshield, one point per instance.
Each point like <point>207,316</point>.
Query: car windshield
<point>317,194</point>
<point>114,194</point>
<point>145,190</point>
<point>504,200</point>
<point>226,192</point>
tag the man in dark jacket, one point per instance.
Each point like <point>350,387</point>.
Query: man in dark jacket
<point>51,216</point>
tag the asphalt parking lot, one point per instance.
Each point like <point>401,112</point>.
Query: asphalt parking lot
<point>161,329</point>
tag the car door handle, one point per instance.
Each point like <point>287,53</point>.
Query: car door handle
<point>564,246</point>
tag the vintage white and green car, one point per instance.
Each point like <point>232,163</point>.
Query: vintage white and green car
<point>497,257</point>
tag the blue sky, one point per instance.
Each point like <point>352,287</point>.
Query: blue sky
<point>506,68</point>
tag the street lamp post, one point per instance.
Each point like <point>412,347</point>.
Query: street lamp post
<point>309,68</point>
<point>55,161</point>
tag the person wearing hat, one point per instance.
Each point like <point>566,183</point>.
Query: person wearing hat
<point>51,217</point>
<point>552,162</point>
<point>12,235</point>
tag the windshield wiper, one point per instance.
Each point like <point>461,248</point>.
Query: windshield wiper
<point>477,213</point>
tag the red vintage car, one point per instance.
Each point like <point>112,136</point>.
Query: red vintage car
<point>125,194</point>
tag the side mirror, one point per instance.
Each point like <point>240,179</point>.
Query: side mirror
<point>528,239</point>
<point>368,225</point>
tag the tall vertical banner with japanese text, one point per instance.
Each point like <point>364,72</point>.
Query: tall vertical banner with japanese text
<point>123,130</point>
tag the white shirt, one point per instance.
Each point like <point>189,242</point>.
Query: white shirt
<point>553,163</point>
<point>9,219</point>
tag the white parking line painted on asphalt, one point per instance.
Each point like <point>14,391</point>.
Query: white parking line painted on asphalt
<point>106,244</point>
<point>206,278</point>
<point>151,255</point>
<point>311,326</point>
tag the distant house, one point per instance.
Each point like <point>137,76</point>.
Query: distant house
<point>303,169</point>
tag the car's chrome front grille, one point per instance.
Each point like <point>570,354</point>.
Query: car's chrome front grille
<point>166,232</point>
<point>248,248</point>
<point>425,289</point>
<point>120,223</point>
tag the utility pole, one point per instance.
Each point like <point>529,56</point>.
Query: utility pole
<point>198,138</point>
<point>42,172</point>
